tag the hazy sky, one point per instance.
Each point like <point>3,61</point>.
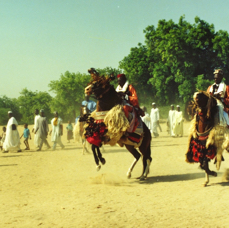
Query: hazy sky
<point>41,39</point>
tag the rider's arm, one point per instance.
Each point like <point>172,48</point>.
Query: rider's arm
<point>226,98</point>
<point>133,98</point>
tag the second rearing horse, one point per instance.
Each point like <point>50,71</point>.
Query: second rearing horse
<point>208,136</point>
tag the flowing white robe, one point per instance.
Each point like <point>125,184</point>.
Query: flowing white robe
<point>171,121</point>
<point>154,116</point>
<point>56,130</point>
<point>146,119</point>
<point>178,124</point>
<point>36,137</point>
<point>12,140</point>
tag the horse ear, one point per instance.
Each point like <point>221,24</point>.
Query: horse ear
<point>211,104</point>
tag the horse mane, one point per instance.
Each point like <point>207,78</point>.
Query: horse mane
<point>95,77</point>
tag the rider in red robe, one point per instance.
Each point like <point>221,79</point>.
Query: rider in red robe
<point>128,92</point>
<point>130,99</point>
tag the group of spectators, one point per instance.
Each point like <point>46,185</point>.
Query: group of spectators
<point>174,121</point>
<point>10,139</point>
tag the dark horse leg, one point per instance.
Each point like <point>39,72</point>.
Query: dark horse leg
<point>136,155</point>
<point>97,156</point>
<point>204,165</point>
<point>145,151</point>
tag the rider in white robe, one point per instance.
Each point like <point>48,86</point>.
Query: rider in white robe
<point>178,124</point>
<point>154,116</point>
<point>171,120</point>
<point>12,140</point>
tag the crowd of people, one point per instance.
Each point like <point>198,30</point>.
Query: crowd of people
<point>174,122</point>
<point>10,139</point>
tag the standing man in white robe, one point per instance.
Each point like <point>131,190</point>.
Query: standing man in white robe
<point>146,118</point>
<point>171,120</point>
<point>57,131</point>
<point>12,140</point>
<point>36,137</point>
<point>154,116</point>
<point>178,125</point>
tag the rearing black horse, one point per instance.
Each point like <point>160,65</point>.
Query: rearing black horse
<point>107,98</point>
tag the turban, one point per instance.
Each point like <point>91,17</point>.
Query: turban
<point>178,106</point>
<point>120,75</point>
<point>153,103</point>
<point>218,71</point>
<point>10,112</point>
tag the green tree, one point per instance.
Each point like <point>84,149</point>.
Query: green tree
<point>29,101</point>
<point>177,58</point>
<point>69,91</point>
<point>136,67</point>
<point>8,104</point>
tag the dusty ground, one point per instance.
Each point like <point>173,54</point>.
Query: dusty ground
<point>62,189</point>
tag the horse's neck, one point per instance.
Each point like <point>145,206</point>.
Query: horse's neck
<point>108,101</point>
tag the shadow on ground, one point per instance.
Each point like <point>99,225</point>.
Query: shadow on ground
<point>172,178</point>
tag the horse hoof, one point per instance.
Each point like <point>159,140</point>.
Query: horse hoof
<point>103,161</point>
<point>98,167</point>
<point>141,178</point>
<point>205,184</point>
<point>214,174</point>
<point>128,175</point>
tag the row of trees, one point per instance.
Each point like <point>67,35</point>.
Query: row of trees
<point>175,61</point>
<point>69,94</point>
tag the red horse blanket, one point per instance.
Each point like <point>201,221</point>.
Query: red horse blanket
<point>197,150</point>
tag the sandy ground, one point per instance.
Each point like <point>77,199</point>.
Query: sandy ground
<point>63,189</point>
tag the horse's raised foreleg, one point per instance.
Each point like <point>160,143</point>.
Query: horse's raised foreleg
<point>136,155</point>
<point>102,160</point>
<point>85,143</point>
<point>98,166</point>
<point>206,180</point>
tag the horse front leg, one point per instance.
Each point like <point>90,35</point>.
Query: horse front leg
<point>102,160</point>
<point>98,166</point>
<point>83,143</point>
<point>206,179</point>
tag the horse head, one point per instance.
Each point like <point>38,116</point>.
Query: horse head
<point>205,102</point>
<point>98,85</point>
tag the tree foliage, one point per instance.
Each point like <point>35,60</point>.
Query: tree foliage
<point>69,91</point>
<point>177,59</point>
<point>29,101</point>
<point>8,104</point>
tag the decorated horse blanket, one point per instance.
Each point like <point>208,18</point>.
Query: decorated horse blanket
<point>111,127</point>
<point>208,144</point>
